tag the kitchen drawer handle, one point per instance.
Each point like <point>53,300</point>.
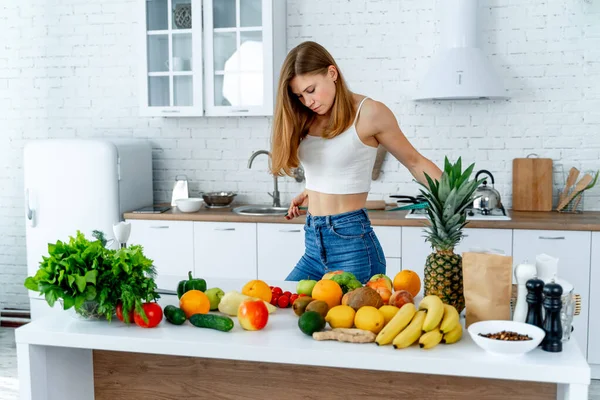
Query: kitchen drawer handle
<point>465,235</point>
<point>160,227</point>
<point>224,229</point>
<point>289,230</point>
<point>171,111</point>
<point>552,237</point>
<point>240,110</point>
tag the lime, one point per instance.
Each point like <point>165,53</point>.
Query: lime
<point>311,322</point>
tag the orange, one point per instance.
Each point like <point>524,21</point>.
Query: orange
<point>194,302</point>
<point>407,280</point>
<point>258,289</point>
<point>328,291</point>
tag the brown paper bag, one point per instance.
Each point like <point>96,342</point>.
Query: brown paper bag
<point>487,283</point>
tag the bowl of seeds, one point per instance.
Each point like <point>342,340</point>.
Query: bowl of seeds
<point>507,338</point>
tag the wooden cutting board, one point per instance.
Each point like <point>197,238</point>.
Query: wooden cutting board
<point>532,184</point>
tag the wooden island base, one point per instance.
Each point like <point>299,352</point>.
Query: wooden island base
<point>133,376</point>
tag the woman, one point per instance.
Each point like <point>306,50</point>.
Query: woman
<point>334,133</point>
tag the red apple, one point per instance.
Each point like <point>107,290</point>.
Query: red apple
<point>253,314</point>
<point>400,298</point>
<point>379,277</point>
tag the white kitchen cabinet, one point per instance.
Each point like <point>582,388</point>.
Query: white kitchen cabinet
<point>244,47</point>
<point>171,78</point>
<point>225,250</point>
<point>594,314</point>
<point>279,247</point>
<point>414,250</point>
<point>169,244</point>
<point>499,240</point>
<point>573,249</point>
<point>390,238</point>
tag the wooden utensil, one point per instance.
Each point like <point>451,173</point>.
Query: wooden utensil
<point>381,152</point>
<point>571,179</point>
<point>532,184</point>
<point>580,187</point>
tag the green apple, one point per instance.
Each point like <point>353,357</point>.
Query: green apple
<point>305,286</point>
<point>214,296</point>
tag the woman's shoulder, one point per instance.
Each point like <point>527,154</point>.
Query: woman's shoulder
<point>373,112</point>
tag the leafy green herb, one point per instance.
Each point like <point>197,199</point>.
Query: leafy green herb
<point>81,270</point>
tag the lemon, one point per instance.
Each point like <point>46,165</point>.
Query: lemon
<point>388,313</point>
<point>369,318</point>
<point>340,317</point>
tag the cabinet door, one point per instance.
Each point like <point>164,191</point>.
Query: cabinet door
<point>414,250</point>
<point>225,250</point>
<point>170,244</point>
<point>573,249</point>
<point>244,44</point>
<point>390,238</point>
<point>171,73</point>
<point>486,239</point>
<point>280,246</point>
<point>594,314</point>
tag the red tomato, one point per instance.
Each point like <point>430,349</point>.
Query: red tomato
<point>253,315</point>
<point>283,301</point>
<point>120,313</point>
<point>277,290</point>
<point>274,299</point>
<point>301,295</point>
<point>153,312</point>
<point>293,298</point>
<point>287,294</point>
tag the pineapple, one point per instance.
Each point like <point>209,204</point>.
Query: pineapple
<point>447,200</point>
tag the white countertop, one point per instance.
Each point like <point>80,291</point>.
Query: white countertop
<point>282,342</point>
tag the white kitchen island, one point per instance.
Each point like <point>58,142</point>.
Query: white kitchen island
<point>63,358</point>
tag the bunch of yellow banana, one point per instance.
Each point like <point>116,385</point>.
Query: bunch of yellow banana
<point>432,323</point>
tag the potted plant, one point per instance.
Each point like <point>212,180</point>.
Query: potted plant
<point>94,280</point>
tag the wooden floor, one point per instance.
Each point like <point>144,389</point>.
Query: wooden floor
<point>8,368</point>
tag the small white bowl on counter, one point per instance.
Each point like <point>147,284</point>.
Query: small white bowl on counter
<point>189,205</point>
<point>506,347</point>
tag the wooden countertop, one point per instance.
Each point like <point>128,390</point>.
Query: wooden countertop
<point>587,221</point>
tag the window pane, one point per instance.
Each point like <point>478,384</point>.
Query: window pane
<point>158,53</point>
<point>156,15</point>
<point>158,91</point>
<point>224,14</point>
<point>251,13</point>
<point>224,47</point>
<point>182,14</point>
<point>183,91</point>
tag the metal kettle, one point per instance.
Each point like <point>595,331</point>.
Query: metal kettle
<point>487,198</point>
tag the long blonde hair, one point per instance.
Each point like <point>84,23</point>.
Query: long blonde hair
<point>292,118</point>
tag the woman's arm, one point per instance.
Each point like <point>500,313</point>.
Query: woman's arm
<point>387,132</point>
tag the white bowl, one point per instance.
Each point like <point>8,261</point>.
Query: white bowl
<point>189,205</point>
<point>501,347</point>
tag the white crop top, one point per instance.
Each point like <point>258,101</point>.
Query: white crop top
<point>341,165</point>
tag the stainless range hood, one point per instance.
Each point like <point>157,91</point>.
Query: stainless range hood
<point>460,71</point>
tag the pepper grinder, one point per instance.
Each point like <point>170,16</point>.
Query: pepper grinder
<point>534,302</point>
<point>552,326</point>
<point>523,273</point>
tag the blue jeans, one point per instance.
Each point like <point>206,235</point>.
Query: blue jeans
<point>339,242</point>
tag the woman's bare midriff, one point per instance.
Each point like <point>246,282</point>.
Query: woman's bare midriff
<point>320,204</point>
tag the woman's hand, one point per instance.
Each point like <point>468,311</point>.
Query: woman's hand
<point>298,201</point>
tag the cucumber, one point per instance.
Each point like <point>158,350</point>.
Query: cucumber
<point>212,321</point>
<point>174,315</point>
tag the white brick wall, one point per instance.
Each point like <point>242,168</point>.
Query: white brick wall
<point>69,70</point>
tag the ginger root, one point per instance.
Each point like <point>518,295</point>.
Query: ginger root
<point>346,335</point>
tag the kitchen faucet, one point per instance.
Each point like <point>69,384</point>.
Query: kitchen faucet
<point>275,195</point>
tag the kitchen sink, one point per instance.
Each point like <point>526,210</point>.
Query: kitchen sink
<point>258,210</point>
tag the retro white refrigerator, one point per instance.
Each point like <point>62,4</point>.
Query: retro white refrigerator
<point>80,184</point>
